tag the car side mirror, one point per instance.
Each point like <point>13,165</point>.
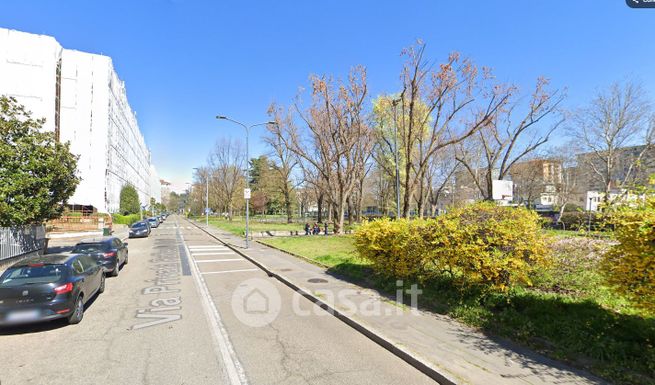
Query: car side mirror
<point>125,244</point>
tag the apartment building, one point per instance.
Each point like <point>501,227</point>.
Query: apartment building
<point>85,103</point>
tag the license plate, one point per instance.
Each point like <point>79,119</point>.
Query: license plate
<point>23,315</point>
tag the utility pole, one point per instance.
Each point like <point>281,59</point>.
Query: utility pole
<point>246,191</point>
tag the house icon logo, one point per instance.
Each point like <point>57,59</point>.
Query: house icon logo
<point>256,302</point>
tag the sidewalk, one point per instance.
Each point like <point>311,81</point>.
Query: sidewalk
<point>439,346</point>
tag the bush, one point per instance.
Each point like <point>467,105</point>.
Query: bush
<point>395,248</point>
<point>125,219</point>
<point>577,220</point>
<point>496,247</point>
<point>629,266</point>
<point>478,245</point>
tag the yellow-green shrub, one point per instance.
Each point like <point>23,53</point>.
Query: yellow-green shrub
<point>494,246</point>
<point>395,248</point>
<point>481,244</point>
<point>629,266</point>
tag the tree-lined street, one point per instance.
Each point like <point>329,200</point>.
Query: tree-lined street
<point>150,327</point>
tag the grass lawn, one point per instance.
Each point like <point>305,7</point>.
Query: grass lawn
<point>238,225</point>
<point>336,252</point>
<point>568,314</point>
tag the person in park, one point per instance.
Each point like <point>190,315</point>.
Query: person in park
<point>307,228</point>
<point>326,228</point>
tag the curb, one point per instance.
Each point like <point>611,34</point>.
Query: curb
<point>421,365</point>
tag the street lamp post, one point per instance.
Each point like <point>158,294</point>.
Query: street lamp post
<point>246,196</point>
<point>206,197</point>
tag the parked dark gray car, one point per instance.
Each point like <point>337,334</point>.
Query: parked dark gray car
<point>49,287</point>
<point>110,252</point>
<point>140,229</point>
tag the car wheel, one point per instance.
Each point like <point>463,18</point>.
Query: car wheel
<point>116,270</point>
<point>78,312</point>
<point>126,258</point>
<point>101,289</point>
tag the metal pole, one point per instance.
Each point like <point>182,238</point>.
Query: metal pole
<point>395,145</point>
<point>247,186</point>
<point>207,204</point>
<point>247,167</point>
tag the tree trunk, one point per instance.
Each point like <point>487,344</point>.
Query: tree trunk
<point>330,210</point>
<point>319,204</point>
<point>350,211</point>
<point>287,205</point>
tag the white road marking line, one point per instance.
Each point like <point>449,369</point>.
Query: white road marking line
<point>208,247</point>
<point>222,344</point>
<point>218,260</point>
<point>227,271</point>
<point>216,253</point>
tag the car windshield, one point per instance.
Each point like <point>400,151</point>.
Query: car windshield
<point>88,248</point>
<point>139,225</point>
<point>31,274</point>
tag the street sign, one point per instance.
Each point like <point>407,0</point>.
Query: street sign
<point>502,190</point>
<point>246,193</point>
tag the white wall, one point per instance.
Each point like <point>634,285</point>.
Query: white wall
<point>28,65</point>
<point>95,115</point>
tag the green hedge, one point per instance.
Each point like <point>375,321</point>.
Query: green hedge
<point>125,219</point>
<point>577,220</point>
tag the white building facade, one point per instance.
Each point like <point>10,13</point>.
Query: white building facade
<point>85,103</point>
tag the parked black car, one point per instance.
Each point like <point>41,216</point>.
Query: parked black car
<point>140,230</point>
<point>154,222</point>
<point>110,252</point>
<point>49,287</point>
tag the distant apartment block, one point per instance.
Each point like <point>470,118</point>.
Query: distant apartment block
<point>536,182</point>
<point>84,102</point>
<point>626,171</point>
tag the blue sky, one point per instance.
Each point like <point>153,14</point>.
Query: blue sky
<point>185,61</point>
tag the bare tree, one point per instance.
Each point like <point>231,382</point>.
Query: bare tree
<point>502,142</point>
<point>285,160</point>
<point>226,162</point>
<point>441,173</point>
<point>568,187</point>
<point>432,107</point>
<point>616,118</point>
<point>337,139</point>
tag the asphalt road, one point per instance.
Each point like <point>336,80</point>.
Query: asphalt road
<point>187,310</point>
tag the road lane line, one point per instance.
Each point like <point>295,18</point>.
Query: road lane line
<point>205,246</point>
<point>228,271</point>
<point>219,260</point>
<point>222,343</point>
<point>217,253</point>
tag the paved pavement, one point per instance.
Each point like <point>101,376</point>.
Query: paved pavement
<point>440,344</point>
<point>187,310</point>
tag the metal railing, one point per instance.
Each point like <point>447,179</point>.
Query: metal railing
<point>16,241</point>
